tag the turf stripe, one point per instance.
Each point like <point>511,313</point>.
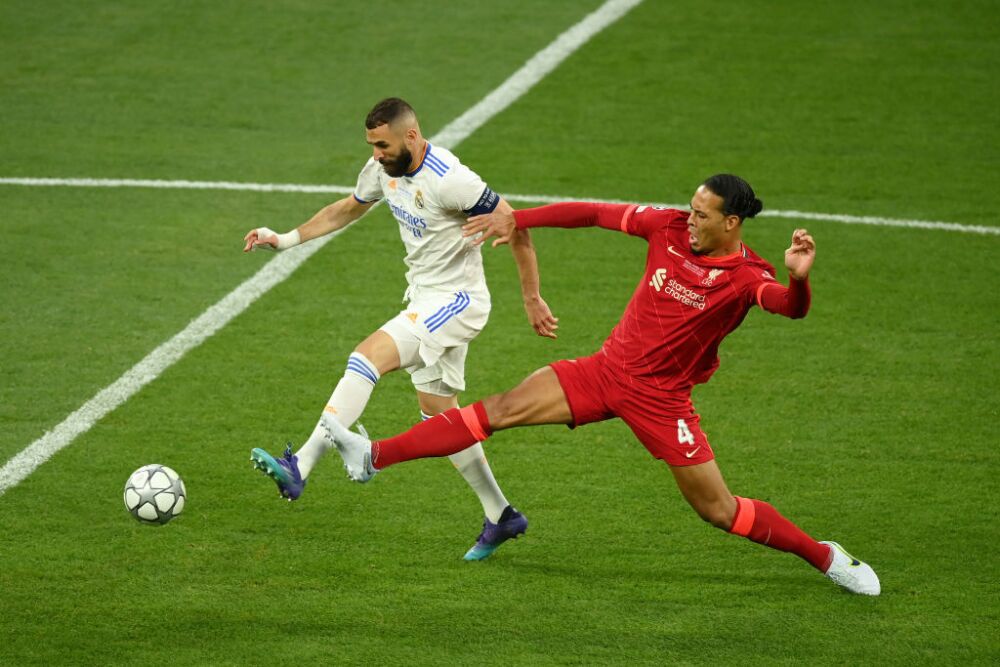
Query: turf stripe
<point>284,264</point>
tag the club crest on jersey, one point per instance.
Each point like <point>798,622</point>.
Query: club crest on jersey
<point>712,275</point>
<point>418,199</point>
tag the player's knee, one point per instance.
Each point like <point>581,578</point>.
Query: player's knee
<point>718,513</point>
<point>380,351</point>
<point>501,410</point>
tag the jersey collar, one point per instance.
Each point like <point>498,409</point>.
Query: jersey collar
<point>742,252</point>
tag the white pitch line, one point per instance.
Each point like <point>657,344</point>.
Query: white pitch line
<point>533,71</point>
<point>282,266</point>
<point>174,185</point>
<point>537,199</point>
<point>798,215</point>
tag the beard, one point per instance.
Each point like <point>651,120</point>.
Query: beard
<point>400,165</point>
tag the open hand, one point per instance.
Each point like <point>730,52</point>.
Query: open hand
<point>800,255</point>
<point>499,223</point>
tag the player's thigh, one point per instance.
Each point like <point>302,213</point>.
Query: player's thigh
<point>705,490</point>
<point>380,349</point>
<point>539,399</point>
<point>431,337</point>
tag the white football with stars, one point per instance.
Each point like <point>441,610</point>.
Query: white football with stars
<point>155,494</point>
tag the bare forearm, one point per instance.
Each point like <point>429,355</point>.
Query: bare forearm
<point>527,264</point>
<point>331,218</point>
<point>539,315</point>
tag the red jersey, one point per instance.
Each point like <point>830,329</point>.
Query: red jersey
<point>685,303</point>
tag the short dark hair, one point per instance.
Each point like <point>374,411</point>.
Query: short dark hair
<point>388,110</point>
<point>738,197</point>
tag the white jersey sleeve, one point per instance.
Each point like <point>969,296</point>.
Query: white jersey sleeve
<point>463,190</point>
<point>369,187</point>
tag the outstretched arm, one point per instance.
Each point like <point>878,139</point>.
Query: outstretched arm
<point>502,224</point>
<point>328,219</point>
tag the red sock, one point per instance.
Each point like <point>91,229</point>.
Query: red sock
<point>441,435</point>
<point>761,523</point>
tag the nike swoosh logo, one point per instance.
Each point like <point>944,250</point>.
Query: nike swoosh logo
<point>692,452</point>
<point>671,250</point>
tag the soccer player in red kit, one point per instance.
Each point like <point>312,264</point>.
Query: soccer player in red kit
<point>700,282</point>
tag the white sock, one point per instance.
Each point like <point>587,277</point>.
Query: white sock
<point>472,465</point>
<point>346,403</point>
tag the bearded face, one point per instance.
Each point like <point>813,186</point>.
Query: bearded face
<point>398,165</point>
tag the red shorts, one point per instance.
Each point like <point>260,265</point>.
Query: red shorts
<point>664,421</point>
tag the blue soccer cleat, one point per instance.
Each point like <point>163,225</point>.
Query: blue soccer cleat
<point>284,471</point>
<point>512,523</point>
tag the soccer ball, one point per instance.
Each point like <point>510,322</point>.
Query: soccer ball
<point>155,494</point>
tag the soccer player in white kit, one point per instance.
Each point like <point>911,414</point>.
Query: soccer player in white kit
<point>431,194</point>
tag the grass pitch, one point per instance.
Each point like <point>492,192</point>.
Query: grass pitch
<point>870,422</point>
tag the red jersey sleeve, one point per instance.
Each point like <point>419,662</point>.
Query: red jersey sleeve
<point>629,218</point>
<point>575,214</point>
<point>792,301</point>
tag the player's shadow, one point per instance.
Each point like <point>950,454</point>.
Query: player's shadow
<point>665,576</point>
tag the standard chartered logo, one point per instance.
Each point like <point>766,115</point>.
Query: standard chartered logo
<point>416,225</point>
<point>683,294</point>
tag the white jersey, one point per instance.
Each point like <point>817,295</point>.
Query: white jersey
<point>431,203</point>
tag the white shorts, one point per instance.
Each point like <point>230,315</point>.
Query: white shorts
<point>432,335</point>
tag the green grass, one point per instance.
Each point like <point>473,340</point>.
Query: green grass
<point>871,422</point>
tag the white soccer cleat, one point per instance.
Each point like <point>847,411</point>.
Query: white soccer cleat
<point>851,573</point>
<point>354,448</point>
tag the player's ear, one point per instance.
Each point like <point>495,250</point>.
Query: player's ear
<point>732,222</point>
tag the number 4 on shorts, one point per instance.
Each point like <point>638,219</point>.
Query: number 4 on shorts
<point>684,435</point>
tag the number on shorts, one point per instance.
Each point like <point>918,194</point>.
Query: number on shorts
<point>684,435</point>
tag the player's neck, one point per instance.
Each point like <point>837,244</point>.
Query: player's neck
<point>729,248</point>
<point>418,156</point>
